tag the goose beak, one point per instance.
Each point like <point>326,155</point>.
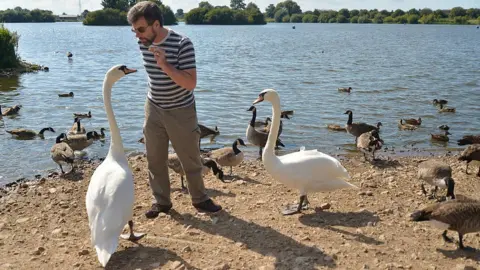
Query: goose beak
<point>129,70</point>
<point>258,100</point>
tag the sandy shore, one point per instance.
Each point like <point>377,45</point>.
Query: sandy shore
<point>43,224</point>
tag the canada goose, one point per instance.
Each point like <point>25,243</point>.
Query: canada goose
<point>228,156</point>
<point>306,170</point>
<point>28,133</point>
<point>76,128</point>
<point>336,127</point>
<point>472,152</point>
<point>439,102</point>
<point>348,90</point>
<point>444,127</point>
<point>208,132</point>
<point>412,121</point>
<point>445,109</point>
<point>175,164</point>
<point>111,192</point>
<point>403,126</point>
<point>438,174</point>
<point>459,216</point>
<point>287,114</point>
<point>257,137</point>
<point>83,115</point>
<point>357,129</point>
<point>79,142</point>
<point>101,135</point>
<point>441,137</point>
<point>66,95</point>
<point>469,139</point>
<point>61,152</point>
<point>10,111</point>
<point>369,142</point>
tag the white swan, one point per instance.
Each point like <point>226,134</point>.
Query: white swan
<point>110,194</point>
<point>307,171</point>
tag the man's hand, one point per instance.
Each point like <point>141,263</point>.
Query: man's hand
<point>160,56</point>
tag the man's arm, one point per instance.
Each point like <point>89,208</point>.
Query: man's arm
<point>186,74</point>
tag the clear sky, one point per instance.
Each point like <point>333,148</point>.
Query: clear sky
<point>72,7</point>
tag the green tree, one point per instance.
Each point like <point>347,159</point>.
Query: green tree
<point>270,11</point>
<point>412,19</point>
<point>398,13</point>
<point>457,11</point>
<point>84,13</point>
<point>310,18</point>
<point>107,16</point>
<point>388,19</point>
<point>344,12</point>
<point>427,19</point>
<point>354,12</point>
<point>425,11</point>
<point>8,47</point>
<point>196,16</point>
<point>291,6</point>
<point>122,5</point>
<point>385,13</point>
<point>354,19</point>
<point>378,18</point>
<point>179,13</point>
<point>413,12</point>
<point>205,4</point>
<point>439,14</point>
<point>341,19</point>
<point>280,14</point>
<point>237,4</point>
<point>296,18</point>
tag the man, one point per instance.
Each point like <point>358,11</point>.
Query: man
<point>170,114</point>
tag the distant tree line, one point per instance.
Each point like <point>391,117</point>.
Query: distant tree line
<point>114,12</point>
<point>19,14</point>
<point>290,11</point>
<point>238,13</point>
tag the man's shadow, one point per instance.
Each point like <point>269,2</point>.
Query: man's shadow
<point>262,240</point>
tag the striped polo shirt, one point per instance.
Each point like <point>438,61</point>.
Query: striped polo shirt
<point>163,91</point>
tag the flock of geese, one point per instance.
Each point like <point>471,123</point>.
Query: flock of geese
<point>110,194</point>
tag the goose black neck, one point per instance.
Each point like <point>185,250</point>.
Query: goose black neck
<point>78,125</point>
<point>450,187</point>
<point>42,131</point>
<point>254,116</point>
<point>235,148</point>
<point>350,119</point>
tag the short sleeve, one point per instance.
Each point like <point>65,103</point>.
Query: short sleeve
<point>186,55</point>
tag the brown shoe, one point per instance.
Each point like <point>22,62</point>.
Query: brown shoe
<point>157,209</point>
<point>207,206</point>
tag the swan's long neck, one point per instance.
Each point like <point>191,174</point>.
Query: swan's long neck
<point>116,144</point>
<point>273,133</point>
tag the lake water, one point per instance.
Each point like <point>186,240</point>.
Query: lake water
<point>395,71</point>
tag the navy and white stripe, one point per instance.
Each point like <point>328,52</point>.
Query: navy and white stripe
<point>163,91</point>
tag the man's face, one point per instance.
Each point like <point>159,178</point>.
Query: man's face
<point>144,32</point>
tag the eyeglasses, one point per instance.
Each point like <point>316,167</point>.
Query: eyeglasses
<point>141,29</point>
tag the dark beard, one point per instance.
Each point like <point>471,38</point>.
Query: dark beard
<point>149,42</point>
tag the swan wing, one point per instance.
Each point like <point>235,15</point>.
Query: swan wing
<point>109,203</point>
<point>311,171</point>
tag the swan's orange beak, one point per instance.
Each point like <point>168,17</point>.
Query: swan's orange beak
<point>259,99</point>
<point>129,70</point>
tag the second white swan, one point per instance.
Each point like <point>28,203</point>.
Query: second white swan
<point>307,171</point>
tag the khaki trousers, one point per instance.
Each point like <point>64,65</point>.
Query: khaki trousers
<point>180,126</point>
